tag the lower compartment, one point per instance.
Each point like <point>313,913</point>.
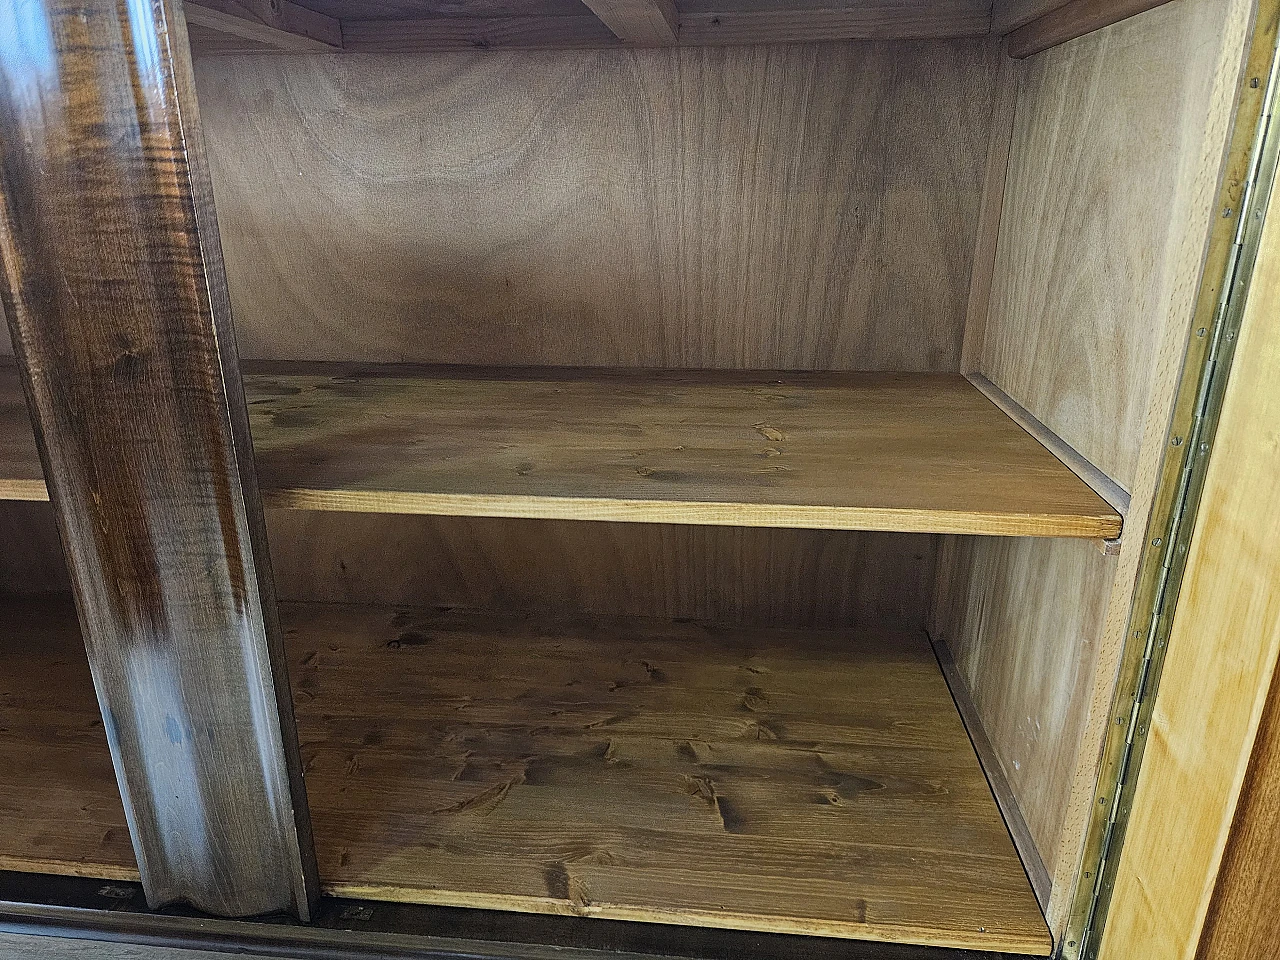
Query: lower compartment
<point>816,782</point>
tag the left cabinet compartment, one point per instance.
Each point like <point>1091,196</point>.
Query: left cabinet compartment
<point>60,808</point>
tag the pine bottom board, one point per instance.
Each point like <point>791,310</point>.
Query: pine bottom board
<point>60,811</point>
<point>773,780</point>
<point>815,782</point>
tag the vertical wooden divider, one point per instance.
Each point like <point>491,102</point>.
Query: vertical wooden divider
<point>116,297</point>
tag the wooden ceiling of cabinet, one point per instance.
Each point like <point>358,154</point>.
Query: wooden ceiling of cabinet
<point>410,26</point>
<point>228,26</point>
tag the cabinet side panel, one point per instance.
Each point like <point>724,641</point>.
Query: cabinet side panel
<point>1105,187</point>
<point>1118,148</point>
<point>775,207</point>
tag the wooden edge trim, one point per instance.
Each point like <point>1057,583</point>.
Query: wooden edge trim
<point>1037,872</point>
<point>1008,15</point>
<point>1117,496</point>
<point>1073,20</point>
<point>470,33</point>
<point>347,929</point>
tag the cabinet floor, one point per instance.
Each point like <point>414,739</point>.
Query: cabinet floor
<point>792,781</point>
<point>775,780</point>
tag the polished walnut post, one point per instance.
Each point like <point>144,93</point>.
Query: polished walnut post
<point>116,297</point>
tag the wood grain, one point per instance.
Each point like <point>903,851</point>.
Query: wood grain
<point>1241,922</point>
<point>644,770</point>
<point>921,454</point>
<point>407,9</point>
<point>116,302</point>
<point>1023,630</point>
<point>279,24</point>
<point>763,21</point>
<point>641,768</point>
<point>470,33</point>
<point>1008,15</point>
<point>655,208</point>
<point>645,23</point>
<point>1008,84</point>
<point>1219,665</point>
<point>31,560</point>
<point>735,575</point>
<point>60,810</point>
<point>1106,390</point>
<point>1091,261</point>
<point>1072,20</point>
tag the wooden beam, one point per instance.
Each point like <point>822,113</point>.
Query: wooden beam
<point>701,23</point>
<point>641,23</point>
<point>117,301</point>
<point>759,21</point>
<point>1008,15</point>
<point>1075,19</point>
<point>467,33</point>
<point>276,23</point>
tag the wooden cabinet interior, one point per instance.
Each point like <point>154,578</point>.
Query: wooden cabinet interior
<point>728,292</point>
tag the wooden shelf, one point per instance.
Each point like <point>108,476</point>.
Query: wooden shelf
<point>773,780</point>
<point>907,452</point>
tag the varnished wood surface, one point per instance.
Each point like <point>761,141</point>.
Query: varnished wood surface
<point>1043,662</point>
<point>116,301</point>
<point>1023,627</point>
<point>801,781</point>
<point>1071,20</point>
<point>1008,15</point>
<point>1097,258</point>
<point>1213,693</point>
<point>770,207</point>
<point>60,810</point>
<point>924,453</point>
<point>277,24</point>
<point>395,25</point>
<point>1242,922</point>
<point>683,773</point>
<point>647,23</point>
<point>741,575</point>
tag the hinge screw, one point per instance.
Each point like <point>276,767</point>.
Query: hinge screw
<point>1226,212</point>
<point>1177,441</point>
<point>1156,542</point>
<point>1231,335</point>
<point>1202,331</point>
<point>1255,82</point>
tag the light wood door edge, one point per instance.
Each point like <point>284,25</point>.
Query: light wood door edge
<point>1222,645</point>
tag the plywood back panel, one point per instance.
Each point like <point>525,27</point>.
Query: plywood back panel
<point>785,206</point>
<point>1119,143</point>
<point>749,576</point>
<point>1100,230</point>
<point>802,578</point>
<point>31,558</point>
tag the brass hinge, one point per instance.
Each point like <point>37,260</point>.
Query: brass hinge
<point>1165,552</point>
